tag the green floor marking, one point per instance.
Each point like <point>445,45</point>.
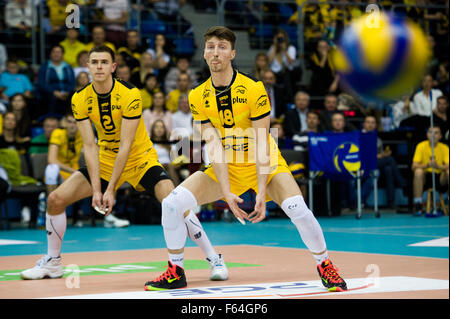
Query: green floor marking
<point>126,268</point>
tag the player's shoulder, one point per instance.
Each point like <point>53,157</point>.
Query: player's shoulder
<point>125,85</point>
<point>247,77</point>
<point>199,90</point>
<point>248,83</point>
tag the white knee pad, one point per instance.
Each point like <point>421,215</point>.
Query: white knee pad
<point>295,207</point>
<point>52,174</point>
<point>174,205</point>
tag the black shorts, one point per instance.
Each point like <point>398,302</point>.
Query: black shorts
<point>153,175</point>
<point>429,182</point>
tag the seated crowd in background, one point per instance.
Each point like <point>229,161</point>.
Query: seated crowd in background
<point>39,98</point>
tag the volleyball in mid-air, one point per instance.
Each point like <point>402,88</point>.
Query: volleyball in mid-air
<point>381,57</point>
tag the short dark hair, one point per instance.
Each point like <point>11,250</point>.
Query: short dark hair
<point>102,48</point>
<point>443,97</point>
<point>222,33</point>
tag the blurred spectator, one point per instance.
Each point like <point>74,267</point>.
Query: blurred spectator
<point>39,143</point>
<point>426,99</point>
<point>442,78</point>
<point>339,123</point>
<point>19,22</point>
<point>282,58</point>
<point>324,80</point>
<point>19,15</point>
<point>115,17</point>
<point>150,88</point>
<point>82,80</point>
<point>277,132</point>
<point>386,165</point>
<point>99,38</point>
<point>9,137</point>
<point>158,112</point>
<point>182,119</point>
<point>18,105</point>
<point>402,110</point>
<point>440,115</point>
<point>301,139</point>
<point>63,153</point>
<point>56,81</point>
<point>423,165</point>
<point>182,66</point>
<point>12,82</point>
<point>275,93</point>
<point>132,51</point>
<point>295,119</point>
<point>160,138</point>
<point>169,11</point>
<point>57,14</point>
<point>82,60</point>
<point>330,105</point>
<point>340,15</point>
<point>184,86</point>
<point>3,57</point>
<point>261,65</point>
<point>72,47</point>
<point>161,58</point>
<point>139,75</point>
<point>123,73</point>
<point>314,17</point>
<point>420,109</point>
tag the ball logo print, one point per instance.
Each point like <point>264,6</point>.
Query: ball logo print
<point>346,158</point>
<point>381,57</point>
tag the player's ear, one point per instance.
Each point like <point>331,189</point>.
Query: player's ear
<point>114,66</point>
<point>233,54</point>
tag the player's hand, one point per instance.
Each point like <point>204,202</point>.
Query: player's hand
<point>259,212</point>
<point>233,201</point>
<point>97,200</point>
<point>108,201</point>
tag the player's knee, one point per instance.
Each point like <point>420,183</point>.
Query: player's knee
<point>170,212</point>
<point>55,203</point>
<point>295,208</point>
<point>52,174</point>
<point>175,205</point>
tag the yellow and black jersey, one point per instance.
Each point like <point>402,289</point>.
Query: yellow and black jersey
<point>231,111</point>
<point>69,149</point>
<point>106,112</point>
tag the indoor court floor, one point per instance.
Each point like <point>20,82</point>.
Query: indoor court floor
<point>397,256</point>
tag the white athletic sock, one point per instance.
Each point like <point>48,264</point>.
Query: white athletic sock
<point>177,259</point>
<point>198,235</point>
<point>307,225</point>
<point>56,227</point>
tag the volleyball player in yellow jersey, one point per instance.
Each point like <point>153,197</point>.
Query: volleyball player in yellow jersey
<point>234,112</point>
<point>124,153</point>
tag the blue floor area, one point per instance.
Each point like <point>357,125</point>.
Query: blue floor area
<point>391,234</point>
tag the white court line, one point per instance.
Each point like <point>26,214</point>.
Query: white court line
<point>281,290</point>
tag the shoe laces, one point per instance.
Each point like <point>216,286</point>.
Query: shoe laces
<point>330,271</point>
<point>169,273</point>
<point>216,261</point>
<point>44,259</point>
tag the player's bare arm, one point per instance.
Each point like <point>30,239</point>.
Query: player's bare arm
<point>92,162</point>
<point>127,134</point>
<point>262,161</point>
<point>216,154</point>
